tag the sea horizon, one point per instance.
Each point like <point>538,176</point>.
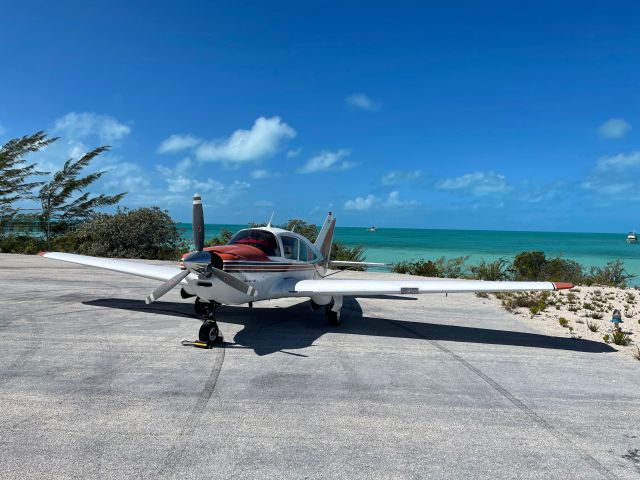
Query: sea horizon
<point>392,245</point>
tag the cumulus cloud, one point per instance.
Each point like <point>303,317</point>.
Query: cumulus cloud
<point>180,181</point>
<point>361,203</point>
<point>264,138</point>
<point>294,152</point>
<point>125,177</point>
<point>361,101</point>
<point>178,142</point>
<point>79,126</point>
<point>261,173</point>
<point>478,183</point>
<point>614,128</point>
<point>393,201</point>
<point>327,161</point>
<point>400,176</point>
<point>622,161</point>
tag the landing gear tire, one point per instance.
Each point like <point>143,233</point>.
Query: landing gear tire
<point>333,317</point>
<point>209,332</point>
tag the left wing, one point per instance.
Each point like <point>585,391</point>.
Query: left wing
<point>156,272</point>
<point>412,287</point>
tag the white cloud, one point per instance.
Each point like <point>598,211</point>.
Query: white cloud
<point>361,203</point>
<point>217,193</point>
<point>294,152</point>
<point>614,128</point>
<point>621,161</point>
<point>263,140</point>
<point>400,176</point>
<point>327,161</point>
<point>393,201</point>
<point>479,183</point>
<point>178,142</point>
<point>126,177</point>
<point>261,173</point>
<point>78,126</point>
<point>362,102</point>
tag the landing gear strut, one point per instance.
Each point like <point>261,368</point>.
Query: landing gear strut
<point>209,331</point>
<point>333,311</point>
<point>333,317</point>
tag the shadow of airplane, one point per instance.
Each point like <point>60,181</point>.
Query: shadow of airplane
<point>270,330</point>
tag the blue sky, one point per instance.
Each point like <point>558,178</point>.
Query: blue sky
<point>481,115</point>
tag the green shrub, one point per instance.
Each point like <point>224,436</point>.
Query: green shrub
<point>339,251</point>
<point>22,244</point>
<point>453,267</point>
<point>612,274</point>
<point>528,265</point>
<point>563,322</point>
<point>562,270</point>
<point>620,338</point>
<point>596,315</point>
<point>594,327</point>
<point>140,233</point>
<point>221,239</point>
<point>496,270</point>
<point>587,306</point>
<point>606,337</point>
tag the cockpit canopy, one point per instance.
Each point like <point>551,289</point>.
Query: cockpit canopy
<point>290,246</point>
<point>261,239</point>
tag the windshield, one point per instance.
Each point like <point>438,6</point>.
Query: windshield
<point>265,241</point>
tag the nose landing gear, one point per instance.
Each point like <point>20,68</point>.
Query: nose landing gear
<point>209,330</point>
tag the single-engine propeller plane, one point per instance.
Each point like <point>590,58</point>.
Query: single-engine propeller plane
<point>267,263</point>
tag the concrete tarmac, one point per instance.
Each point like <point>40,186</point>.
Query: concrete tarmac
<point>95,384</point>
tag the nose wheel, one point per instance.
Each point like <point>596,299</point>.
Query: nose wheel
<point>209,330</point>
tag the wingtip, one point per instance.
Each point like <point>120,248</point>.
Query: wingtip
<point>562,285</point>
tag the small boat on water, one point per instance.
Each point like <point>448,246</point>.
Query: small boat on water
<point>632,237</point>
<point>372,228</point>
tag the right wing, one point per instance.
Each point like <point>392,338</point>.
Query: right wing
<point>155,272</point>
<point>365,288</point>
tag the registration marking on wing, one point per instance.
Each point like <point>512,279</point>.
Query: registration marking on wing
<point>409,290</point>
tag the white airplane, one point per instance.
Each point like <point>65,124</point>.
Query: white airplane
<point>266,263</point>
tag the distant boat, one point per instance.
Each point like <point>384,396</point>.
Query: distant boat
<point>372,228</point>
<point>632,237</point>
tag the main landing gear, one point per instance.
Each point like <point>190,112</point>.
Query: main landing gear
<point>209,331</point>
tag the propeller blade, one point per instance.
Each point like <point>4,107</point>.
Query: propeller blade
<point>165,287</point>
<point>233,282</point>
<point>198,223</point>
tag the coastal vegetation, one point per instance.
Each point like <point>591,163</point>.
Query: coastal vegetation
<point>528,266</point>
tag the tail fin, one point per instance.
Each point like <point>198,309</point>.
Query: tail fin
<point>325,237</point>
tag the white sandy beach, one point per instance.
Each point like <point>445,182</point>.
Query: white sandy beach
<point>579,306</point>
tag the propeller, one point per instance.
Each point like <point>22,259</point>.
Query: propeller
<point>200,262</point>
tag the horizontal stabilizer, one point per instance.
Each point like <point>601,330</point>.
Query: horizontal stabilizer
<point>345,263</point>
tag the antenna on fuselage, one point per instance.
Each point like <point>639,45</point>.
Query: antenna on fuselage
<point>271,219</point>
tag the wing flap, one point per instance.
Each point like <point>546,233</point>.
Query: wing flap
<point>155,272</point>
<point>415,287</point>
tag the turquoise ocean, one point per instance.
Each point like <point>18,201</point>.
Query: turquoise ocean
<point>391,245</point>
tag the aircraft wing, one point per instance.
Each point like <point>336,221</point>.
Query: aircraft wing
<point>155,272</point>
<point>365,288</point>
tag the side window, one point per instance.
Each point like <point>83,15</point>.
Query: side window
<point>306,253</point>
<point>290,246</point>
<point>310,255</point>
<point>303,252</point>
